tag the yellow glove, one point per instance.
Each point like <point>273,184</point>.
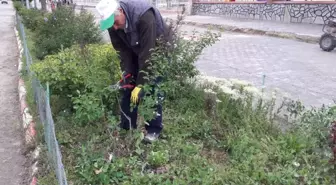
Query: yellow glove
<point>135,95</point>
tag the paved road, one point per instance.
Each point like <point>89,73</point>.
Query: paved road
<point>299,69</point>
<point>11,161</point>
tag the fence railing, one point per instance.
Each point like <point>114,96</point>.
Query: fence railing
<point>41,98</point>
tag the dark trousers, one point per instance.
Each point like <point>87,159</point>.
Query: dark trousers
<point>153,126</point>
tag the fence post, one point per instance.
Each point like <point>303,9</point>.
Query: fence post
<point>24,43</point>
<point>48,93</point>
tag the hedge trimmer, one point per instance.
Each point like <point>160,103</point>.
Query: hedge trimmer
<point>127,82</point>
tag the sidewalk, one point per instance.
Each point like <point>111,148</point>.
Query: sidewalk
<point>302,32</point>
<point>12,160</point>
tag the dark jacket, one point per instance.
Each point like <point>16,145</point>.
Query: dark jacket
<point>145,25</point>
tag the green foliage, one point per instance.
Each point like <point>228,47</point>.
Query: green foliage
<point>209,138</point>
<point>174,61</point>
<point>72,70</point>
<point>18,6</point>
<point>32,18</point>
<point>95,169</point>
<point>82,76</point>
<point>89,107</point>
<point>157,159</point>
<point>59,29</point>
<point>85,29</point>
<point>63,28</point>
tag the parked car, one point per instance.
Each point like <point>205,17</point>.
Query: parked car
<point>4,2</point>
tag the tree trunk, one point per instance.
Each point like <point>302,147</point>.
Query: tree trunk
<point>27,4</point>
<point>44,5</point>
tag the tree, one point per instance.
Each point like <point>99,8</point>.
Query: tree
<point>44,5</point>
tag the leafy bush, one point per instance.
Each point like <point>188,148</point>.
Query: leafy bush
<point>86,29</point>
<point>157,159</point>
<point>63,28</point>
<point>32,18</point>
<point>18,6</point>
<point>175,62</point>
<point>81,74</point>
<point>71,70</point>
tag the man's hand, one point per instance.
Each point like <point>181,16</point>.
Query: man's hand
<point>135,95</point>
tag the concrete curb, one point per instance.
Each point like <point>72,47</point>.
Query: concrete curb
<point>27,119</point>
<point>222,27</point>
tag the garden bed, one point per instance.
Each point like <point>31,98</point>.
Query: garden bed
<point>210,136</point>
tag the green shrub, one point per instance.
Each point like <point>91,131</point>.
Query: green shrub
<point>86,29</point>
<point>18,6</point>
<point>63,28</point>
<point>158,159</point>
<point>31,18</point>
<point>177,66</point>
<point>81,74</point>
<point>76,69</point>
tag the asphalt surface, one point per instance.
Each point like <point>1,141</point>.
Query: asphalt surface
<point>301,70</point>
<point>12,170</point>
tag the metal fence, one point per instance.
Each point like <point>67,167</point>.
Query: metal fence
<point>41,97</point>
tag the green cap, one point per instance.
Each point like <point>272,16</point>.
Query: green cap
<point>106,10</point>
<point>107,23</point>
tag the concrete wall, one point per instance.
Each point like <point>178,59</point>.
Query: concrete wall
<point>299,12</point>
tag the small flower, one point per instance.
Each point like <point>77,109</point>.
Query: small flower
<point>209,91</point>
<point>239,82</point>
<point>274,95</point>
<point>296,164</point>
<point>110,157</point>
<point>252,90</point>
<point>228,90</point>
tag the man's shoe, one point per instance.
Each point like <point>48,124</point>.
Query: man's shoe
<point>151,137</point>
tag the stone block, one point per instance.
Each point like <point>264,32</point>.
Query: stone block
<point>277,12</point>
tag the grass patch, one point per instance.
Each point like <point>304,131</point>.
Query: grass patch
<point>238,144</point>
